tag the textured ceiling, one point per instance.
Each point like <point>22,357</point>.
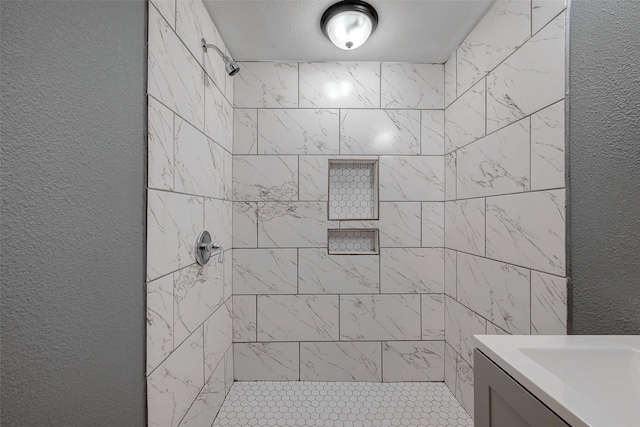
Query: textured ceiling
<point>424,31</point>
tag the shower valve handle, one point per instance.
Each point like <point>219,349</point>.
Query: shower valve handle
<point>205,248</point>
<point>210,247</point>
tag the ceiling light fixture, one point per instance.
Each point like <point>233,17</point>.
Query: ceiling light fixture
<point>348,24</point>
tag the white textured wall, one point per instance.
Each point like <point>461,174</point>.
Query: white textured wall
<point>189,357</point>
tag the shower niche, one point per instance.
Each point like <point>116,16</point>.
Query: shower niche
<point>353,189</point>
<point>353,196</point>
<point>353,241</point>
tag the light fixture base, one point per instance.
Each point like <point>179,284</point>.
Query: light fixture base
<point>344,8</point>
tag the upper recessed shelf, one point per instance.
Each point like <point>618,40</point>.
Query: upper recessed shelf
<point>353,189</point>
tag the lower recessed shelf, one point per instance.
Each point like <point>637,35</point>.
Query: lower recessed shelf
<point>353,241</point>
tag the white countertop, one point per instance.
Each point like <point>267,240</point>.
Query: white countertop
<point>588,380</point>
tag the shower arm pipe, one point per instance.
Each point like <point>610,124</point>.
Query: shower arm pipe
<point>206,46</point>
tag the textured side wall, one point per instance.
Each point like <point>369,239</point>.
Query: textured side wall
<point>604,165</point>
<point>73,167</point>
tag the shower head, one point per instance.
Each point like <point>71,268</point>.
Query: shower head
<point>230,65</point>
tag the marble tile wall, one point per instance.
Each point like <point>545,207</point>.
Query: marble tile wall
<point>299,313</point>
<point>190,138</point>
<point>504,230</point>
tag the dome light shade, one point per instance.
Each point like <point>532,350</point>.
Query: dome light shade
<point>348,24</point>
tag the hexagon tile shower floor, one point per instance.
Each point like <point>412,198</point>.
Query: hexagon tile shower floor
<point>341,404</point>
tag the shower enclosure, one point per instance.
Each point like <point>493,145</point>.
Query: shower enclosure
<point>449,222</point>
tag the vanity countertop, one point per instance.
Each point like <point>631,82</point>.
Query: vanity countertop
<point>588,380</point>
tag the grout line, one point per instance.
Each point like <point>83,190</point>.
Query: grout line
<point>339,318</point>
<point>299,361</point>
<point>256,328</point>
<point>381,362</point>
<point>486,103</point>
<point>176,114</point>
<point>530,154</point>
<point>530,302</point>
<point>485,227</point>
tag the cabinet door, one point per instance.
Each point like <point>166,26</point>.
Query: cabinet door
<point>500,401</point>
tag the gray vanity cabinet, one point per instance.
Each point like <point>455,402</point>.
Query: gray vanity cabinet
<point>500,401</point>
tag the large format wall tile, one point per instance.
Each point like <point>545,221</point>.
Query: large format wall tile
<point>399,224</point>
<point>218,331</point>
<point>530,79</point>
<point>465,118</point>
<point>547,148</point>
<point>412,85</point>
<point>175,384</point>
<point>379,317</point>
<point>245,225</point>
<point>340,361</point>
<point>504,28</point>
<point>218,118</point>
<point>175,77</point>
<point>313,178</point>
<point>228,369</point>
<point>450,85</point>
<point>433,224</point>
<point>266,361</point>
<point>464,225</point>
<point>296,224</point>
<point>450,367</point>
<point>228,274</point>
<point>412,178</point>
<point>548,304</point>
<point>404,270</point>
<point>264,271</point>
<point>297,318</point>
<point>245,131</point>
<point>228,92</point>
<point>461,325</point>
<point>543,11</point>
<point>244,318</point>
<point>160,146</point>
<point>450,272</point>
<point>496,164</point>
<point>464,385</point>
<point>167,9</point>
<point>199,162</point>
<point>266,85</point>
<point>450,176</point>
<point>499,292</point>
<point>413,361</point>
<point>174,221</point>
<point>258,178</point>
<point>218,216</point>
<point>432,132</point>
<point>208,403</point>
<point>190,143</point>
<point>197,293</point>
<point>320,273</point>
<point>296,131</point>
<point>380,132</point>
<point>339,85</point>
<point>528,230</point>
<point>159,321</point>
<point>193,24</point>
<point>432,316</point>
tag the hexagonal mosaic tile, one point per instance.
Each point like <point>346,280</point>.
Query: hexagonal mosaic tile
<point>341,404</point>
<point>353,241</point>
<point>352,190</point>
